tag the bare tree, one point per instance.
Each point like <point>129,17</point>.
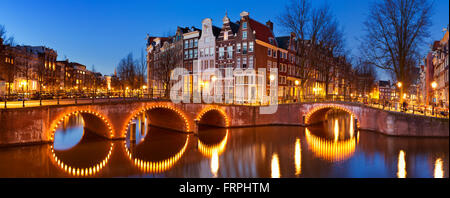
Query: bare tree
<point>317,33</point>
<point>6,40</point>
<point>141,69</point>
<point>127,72</point>
<point>394,31</point>
<point>164,61</point>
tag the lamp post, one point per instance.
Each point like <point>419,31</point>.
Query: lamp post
<point>434,85</point>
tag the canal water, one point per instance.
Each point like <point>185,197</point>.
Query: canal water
<point>332,148</point>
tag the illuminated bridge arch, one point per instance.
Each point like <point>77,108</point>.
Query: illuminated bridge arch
<point>317,114</point>
<point>93,121</point>
<point>164,116</point>
<point>213,116</point>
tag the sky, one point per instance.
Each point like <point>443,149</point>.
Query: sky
<point>101,32</point>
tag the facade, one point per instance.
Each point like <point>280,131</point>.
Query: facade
<point>247,50</point>
<point>440,63</point>
<point>385,90</point>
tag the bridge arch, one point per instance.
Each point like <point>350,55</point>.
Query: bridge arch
<point>93,120</point>
<point>317,113</point>
<point>213,116</point>
<point>161,115</point>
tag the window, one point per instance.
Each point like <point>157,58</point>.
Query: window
<point>250,46</point>
<point>250,62</point>
<point>191,53</point>
<point>274,64</point>
<point>274,53</point>
<point>244,35</point>
<point>202,51</point>
<point>230,52</point>
<point>269,52</point>
<point>186,44</point>
<point>244,62</point>
<point>269,64</point>
<point>195,53</point>
<point>206,51</point>
<point>221,53</point>
<point>244,25</point>
<point>196,42</point>
<point>211,51</point>
<point>238,62</point>
<point>225,36</point>
<point>186,56</point>
<point>244,48</point>
<point>191,43</point>
<point>238,48</point>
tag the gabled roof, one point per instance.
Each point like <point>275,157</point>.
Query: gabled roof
<point>263,33</point>
<point>283,42</point>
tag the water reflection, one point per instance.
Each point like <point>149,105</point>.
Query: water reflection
<point>137,130</point>
<point>158,151</point>
<point>298,157</point>
<point>401,173</point>
<point>275,168</point>
<point>333,140</point>
<point>69,133</point>
<point>275,151</point>
<point>208,146</point>
<point>438,169</point>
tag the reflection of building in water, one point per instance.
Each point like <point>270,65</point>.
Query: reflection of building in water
<point>158,166</point>
<point>81,171</point>
<point>275,168</point>
<point>438,169</point>
<point>213,151</point>
<point>333,151</point>
<point>70,122</point>
<point>138,128</point>
<point>401,165</point>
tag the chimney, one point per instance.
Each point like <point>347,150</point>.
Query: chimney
<point>270,25</point>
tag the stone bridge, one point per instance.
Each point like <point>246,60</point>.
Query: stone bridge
<point>111,120</point>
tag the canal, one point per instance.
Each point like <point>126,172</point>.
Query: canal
<point>333,148</point>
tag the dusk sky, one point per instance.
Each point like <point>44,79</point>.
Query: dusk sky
<point>101,32</point>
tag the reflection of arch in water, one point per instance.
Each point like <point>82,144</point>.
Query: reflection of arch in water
<point>209,150</point>
<point>92,120</point>
<point>158,166</point>
<point>74,171</point>
<point>156,107</point>
<point>320,111</point>
<point>216,122</point>
<point>331,150</point>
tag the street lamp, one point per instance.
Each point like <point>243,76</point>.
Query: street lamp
<point>399,84</point>
<point>434,85</point>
